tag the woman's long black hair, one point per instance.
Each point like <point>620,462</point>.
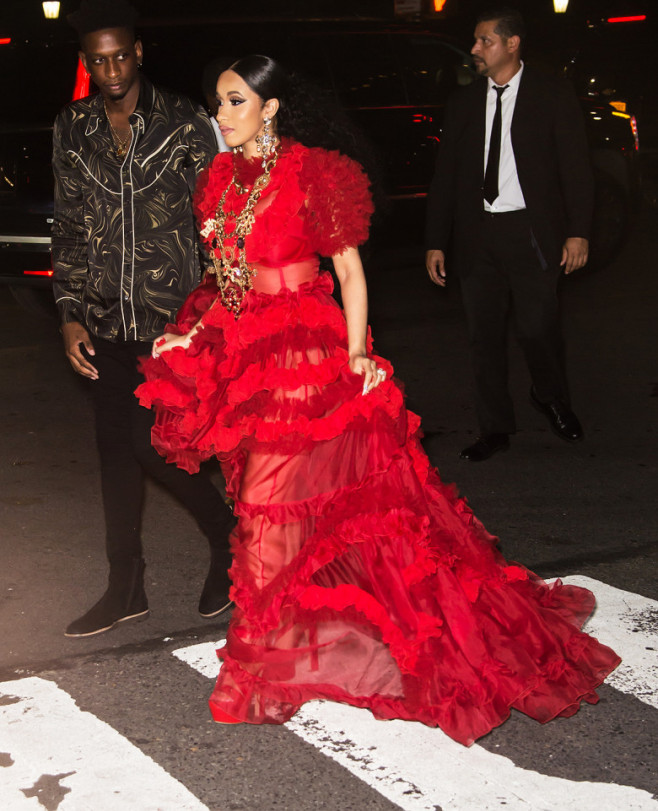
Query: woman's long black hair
<point>307,114</point>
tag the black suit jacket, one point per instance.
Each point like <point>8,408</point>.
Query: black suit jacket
<point>552,162</point>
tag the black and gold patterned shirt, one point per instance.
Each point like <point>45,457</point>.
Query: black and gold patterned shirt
<point>125,248</point>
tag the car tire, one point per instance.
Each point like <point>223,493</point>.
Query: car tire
<point>611,221</point>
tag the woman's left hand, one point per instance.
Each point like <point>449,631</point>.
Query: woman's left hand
<point>372,374</point>
<point>168,341</point>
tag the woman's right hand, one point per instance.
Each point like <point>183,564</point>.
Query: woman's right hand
<point>169,341</point>
<point>372,375</point>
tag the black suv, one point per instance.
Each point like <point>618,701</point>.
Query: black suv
<point>392,78</point>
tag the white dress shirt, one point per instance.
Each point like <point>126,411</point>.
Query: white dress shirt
<point>510,196</point>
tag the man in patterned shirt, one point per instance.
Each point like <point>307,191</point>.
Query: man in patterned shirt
<point>125,256</point>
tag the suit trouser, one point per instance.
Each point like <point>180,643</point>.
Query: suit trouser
<point>509,274</point>
<point>123,436</point>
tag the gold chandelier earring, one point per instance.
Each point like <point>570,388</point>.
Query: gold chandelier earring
<point>266,141</point>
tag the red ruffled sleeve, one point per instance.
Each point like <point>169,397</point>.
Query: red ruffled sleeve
<point>339,201</point>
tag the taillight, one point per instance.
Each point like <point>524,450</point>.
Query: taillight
<point>636,134</point>
<point>38,272</point>
<point>636,18</point>
<point>81,89</point>
<point>5,40</point>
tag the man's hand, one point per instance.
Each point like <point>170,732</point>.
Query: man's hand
<point>435,262</point>
<point>574,254</point>
<point>75,337</point>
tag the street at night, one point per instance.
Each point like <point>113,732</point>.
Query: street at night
<point>121,720</point>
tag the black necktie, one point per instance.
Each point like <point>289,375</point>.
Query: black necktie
<point>493,160</point>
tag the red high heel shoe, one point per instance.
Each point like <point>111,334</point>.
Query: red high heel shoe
<point>222,717</point>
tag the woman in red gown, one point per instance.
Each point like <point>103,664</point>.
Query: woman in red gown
<point>357,575</point>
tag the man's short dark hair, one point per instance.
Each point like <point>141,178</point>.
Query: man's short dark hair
<point>509,21</point>
<point>96,15</point>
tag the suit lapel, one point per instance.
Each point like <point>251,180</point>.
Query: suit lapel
<point>521,128</point>
<point>523,99</point>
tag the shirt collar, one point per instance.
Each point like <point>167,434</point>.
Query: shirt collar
<point>141,114</point>
<point>512,85</point>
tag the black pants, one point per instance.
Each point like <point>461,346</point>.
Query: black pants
<point>508,273</point>
<point>123,436</point>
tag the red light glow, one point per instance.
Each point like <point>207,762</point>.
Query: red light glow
<point>38,272</point>
<point>439,4</point>
<point>81,89</point>
<point>5,40</point>
<point>636,135</point>
<point>635,19</point>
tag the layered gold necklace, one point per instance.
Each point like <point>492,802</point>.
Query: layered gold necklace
<point>120,144</point>
<point>234,274</point>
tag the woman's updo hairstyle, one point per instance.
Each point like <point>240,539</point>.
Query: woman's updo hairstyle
<point>270,80</point>
<point>306,112</point>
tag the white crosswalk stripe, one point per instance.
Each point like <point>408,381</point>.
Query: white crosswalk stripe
<point>628,623</point>
<point>48,744</point>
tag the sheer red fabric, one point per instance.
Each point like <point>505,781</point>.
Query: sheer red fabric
<point>357,575</point>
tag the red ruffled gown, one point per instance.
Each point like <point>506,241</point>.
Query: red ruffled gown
<point>357,575</point>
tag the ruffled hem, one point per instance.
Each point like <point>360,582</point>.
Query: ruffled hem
<point>400,602</point>
<point>456,714</point>
<point>455,659</point>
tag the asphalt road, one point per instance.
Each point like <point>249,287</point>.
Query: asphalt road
<point>562,510</point>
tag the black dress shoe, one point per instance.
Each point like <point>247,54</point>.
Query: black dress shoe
<point>485,447</point>
<point>564,423</point>
<point>123,601</point>
<point>214,597</point>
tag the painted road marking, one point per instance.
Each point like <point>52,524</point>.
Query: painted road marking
<point>628,623</point>
<point>55,755</point>
<point>421,769</point>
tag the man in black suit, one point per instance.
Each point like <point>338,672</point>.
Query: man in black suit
<point>513,185</point>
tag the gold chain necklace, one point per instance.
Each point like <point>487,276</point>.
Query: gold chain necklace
<point>121,144</point>
<point>234,274</point>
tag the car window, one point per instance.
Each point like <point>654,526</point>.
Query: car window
<point>371,76</point>
<point>431,69</point>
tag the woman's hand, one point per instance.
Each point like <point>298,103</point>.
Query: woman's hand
<point>168,341</point>
<point>372,375</point>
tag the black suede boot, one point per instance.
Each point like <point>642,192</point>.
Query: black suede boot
<point>125,599</point>
<point>214,597</point>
